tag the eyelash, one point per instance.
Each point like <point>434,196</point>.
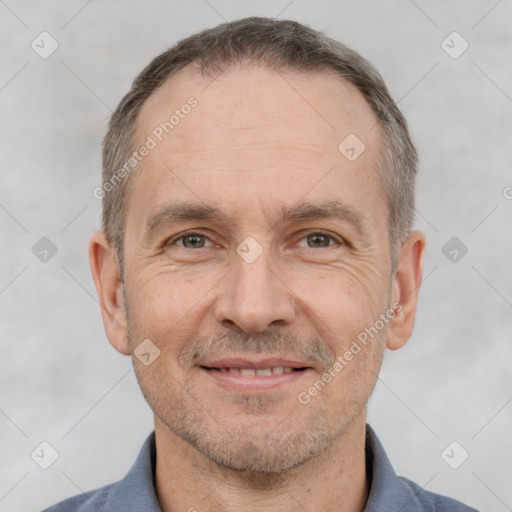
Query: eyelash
<point>192,233</point>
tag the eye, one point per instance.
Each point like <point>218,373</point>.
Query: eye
<point>318,240</point>
<point>192,241</point>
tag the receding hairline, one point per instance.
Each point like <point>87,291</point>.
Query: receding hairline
<point>282,45</point>
<point>195,70</point>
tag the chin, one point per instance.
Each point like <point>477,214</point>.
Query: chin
<point>256,446</point>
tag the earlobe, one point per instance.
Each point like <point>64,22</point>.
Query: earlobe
<point>405,290</point>
<point>109,286</point>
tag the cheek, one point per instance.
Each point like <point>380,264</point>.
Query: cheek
<point>349,324</point>
<point>344,313</point>
<point>169,307</point>
<point>352,378</point>
<point>154,310</point>
<point>341,305</point>
<point>163,296</point>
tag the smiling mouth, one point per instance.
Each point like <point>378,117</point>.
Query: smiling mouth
<point>244,374</point>
<point>255,378</point>
<point>256,372</point>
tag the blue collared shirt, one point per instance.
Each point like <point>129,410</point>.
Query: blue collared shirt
<point>136,491</point>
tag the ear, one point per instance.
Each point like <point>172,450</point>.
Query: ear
<point>405,290</point>
<point>109,286</point>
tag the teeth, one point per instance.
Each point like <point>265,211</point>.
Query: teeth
<point>260,372</point>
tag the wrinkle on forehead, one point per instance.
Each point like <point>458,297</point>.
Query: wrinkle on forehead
<point>257,145</point>
<point>256,120</point>
<point>252,105</point>
<point>251,157</point>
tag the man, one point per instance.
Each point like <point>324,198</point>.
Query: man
<point>256,260</point>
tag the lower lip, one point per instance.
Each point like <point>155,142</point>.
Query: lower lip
<point>256,383</point>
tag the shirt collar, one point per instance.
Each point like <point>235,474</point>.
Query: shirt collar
<point>136,491</point>
<point>138,486</point>
<point>386,489</point>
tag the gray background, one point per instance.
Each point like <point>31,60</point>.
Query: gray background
<point>61,381</point>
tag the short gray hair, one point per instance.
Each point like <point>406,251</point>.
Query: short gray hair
<point>278,45</point>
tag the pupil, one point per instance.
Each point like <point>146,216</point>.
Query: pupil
<point>319,240</point>
<point>193,241</point>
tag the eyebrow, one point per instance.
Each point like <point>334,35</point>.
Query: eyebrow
<point>334,209</point>
<point>176,213</point>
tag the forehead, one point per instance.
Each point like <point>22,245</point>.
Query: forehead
<point>248,101</point>
<point>255,131</point>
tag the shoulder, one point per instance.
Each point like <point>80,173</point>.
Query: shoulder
<point>426,501</point>
<point>388,491</point>
<point>134,492</point>
<point>92,501</point>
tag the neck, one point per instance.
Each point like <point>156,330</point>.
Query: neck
<point>332,481</point>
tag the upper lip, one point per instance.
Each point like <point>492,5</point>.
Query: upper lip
<point>242,362</point>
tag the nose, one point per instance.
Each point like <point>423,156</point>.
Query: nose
<point>254,297</point>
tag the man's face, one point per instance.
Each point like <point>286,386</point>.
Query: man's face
<point>266,284</point>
